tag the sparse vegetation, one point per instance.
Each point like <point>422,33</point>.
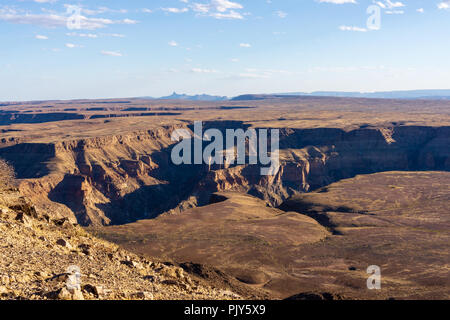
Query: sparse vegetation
<point>7,175</point>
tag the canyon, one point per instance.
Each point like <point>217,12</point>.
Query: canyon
<point>124,178</point>
<point>106,165</point>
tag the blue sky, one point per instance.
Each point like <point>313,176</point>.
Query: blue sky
<point>64,49</point>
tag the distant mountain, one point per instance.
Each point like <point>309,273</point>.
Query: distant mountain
<point>198,97</point>
<point>265,96</point>
<point>408,94</point>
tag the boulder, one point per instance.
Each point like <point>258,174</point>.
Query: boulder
<point>64,243</point>
<point>24,219</point>
<point>98,291</point>
<point>76,294</point>
<point>64,294</point>
<point>85,248</point>
<point>143,295</point>
<point>70,294</point>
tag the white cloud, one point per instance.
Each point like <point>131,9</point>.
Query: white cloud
<point>94,35</point>
<point>352,28</point>
<point>200,7</point>
<point>337,1</point>
<point>129,21</point>
<point>100,10</point>
<point>51,20</point>
<point>173,43</point>
<point>444,5</point>
<point>394,12</point>
<point>112,53</point>
<point>71,45</point>
<point>224,5</point>
<point>200,70</point>
<point>41,37</point>
<point>175,10</point>
<point>229,15</point>
<point>396,4</point>
<point>388,4</point>
<point>421,10</point>
<point>83,35</point>
<point>219,9</point>
<point>281,14</point>
<point>115,35</point>
<point>245,45</point>
<point>54,20</point>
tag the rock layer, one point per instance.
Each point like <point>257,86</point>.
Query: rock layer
<point>117,179</point>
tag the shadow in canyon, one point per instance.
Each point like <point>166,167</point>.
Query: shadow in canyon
<point>330,155</point>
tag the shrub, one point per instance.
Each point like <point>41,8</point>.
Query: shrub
<point>7,175</point>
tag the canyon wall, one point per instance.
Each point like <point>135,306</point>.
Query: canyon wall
<point>122,178</point>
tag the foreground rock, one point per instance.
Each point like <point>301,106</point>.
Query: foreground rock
<point>42,259</point>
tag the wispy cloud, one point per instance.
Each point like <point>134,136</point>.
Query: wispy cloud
<point>45,1</point>
<point>337,1</point>
<point>112,53</point>
<point>100,10</point>
<point>352,28</point>
<point>281,14</point>
<point>388,4</point>
<point>396,4</point>
<point>175,10</point>
<point>55,20</point>
<point>94,35</point>
<point>394,12</point>
<point>200,70</point>
<point>219,9</point>
<point>128,21</point>
<point>444,5</point>
<point>41,37</point>
<point>115,35</point>
<point>72,45</point>
<point>83,35</point>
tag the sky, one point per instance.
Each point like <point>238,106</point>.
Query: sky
<point>64,49</point>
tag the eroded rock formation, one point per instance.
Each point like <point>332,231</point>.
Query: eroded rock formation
<point>121,178</point>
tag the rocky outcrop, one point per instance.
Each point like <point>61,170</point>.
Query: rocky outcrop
<point>45,259</point>
<point>122,178</point>
<point>7,118</point>
<point>314,158</point>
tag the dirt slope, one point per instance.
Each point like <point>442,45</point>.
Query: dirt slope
<point>399,221</point>
<point>240,235</point>
<point>37,251</point>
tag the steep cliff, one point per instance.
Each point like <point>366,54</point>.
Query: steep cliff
<point>117,179</point>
